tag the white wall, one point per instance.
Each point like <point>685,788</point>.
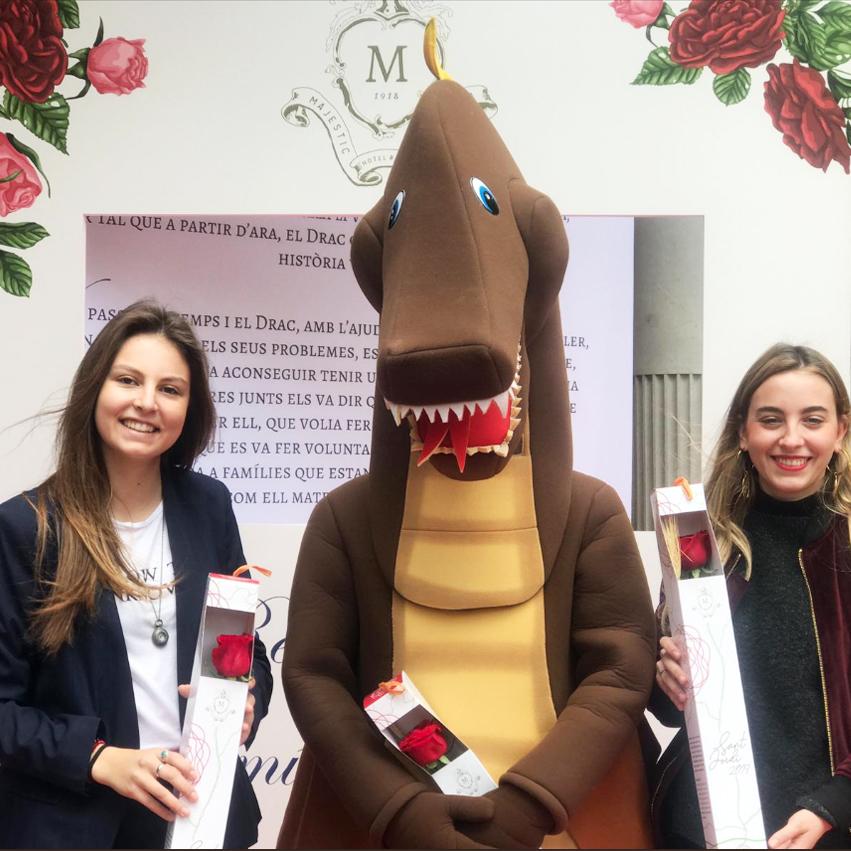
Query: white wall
<point>206,135</point>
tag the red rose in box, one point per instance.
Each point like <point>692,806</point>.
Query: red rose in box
<point>232,658</point>
<point>425,746</point>
<point>695,550</point>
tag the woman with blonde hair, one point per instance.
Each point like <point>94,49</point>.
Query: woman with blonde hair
<point>103,570</point>
<point>779,495</point>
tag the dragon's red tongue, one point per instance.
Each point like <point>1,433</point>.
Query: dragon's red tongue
<point>487,428</point>
<point>460,432</point>
<point>433,437</point>
<point>435,432</point>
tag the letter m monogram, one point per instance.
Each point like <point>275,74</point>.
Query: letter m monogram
<point>383,69</point>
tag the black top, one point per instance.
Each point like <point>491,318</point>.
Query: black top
<point>778,659</point>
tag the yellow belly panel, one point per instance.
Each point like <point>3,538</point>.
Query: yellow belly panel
<point>468,611</point>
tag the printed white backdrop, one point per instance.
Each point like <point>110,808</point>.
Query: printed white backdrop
<point>291,343</point>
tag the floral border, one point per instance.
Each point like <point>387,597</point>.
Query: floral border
<point>34,60</point>
<point>807,99</point>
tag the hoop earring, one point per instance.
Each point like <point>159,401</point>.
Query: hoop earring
<point>746,483</point>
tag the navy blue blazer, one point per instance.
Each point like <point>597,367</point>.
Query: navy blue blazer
<point>53,709</point>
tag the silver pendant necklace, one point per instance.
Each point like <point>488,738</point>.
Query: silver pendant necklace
<point>159,636</point>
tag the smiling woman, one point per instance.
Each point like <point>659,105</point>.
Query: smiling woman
<point>792,432</point>
<point>779,494</point>
<point>99,567</point>
<point>142,406</point>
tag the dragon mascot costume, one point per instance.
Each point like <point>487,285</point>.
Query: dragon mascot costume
<point>472,556</point>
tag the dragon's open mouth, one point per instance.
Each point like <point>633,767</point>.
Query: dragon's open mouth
<point>462,428</point>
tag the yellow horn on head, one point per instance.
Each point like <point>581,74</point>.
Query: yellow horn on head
<point>430,51</point>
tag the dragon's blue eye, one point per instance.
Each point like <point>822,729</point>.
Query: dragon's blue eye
<point>395,209</point>
<point>485,196</point>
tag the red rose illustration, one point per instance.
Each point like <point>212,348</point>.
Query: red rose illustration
<point>695,550</point>
<point>639,13</point>
<point>424,744</point>
<point>803,109</point>
<point>232,658</point>
<point>117,66</point>
<point>726,34</point>
<point>33,60</point>
<point>24,187</point>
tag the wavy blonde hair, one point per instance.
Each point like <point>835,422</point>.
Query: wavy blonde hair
<point>727,503</point>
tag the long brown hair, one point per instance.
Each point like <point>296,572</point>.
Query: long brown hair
<point>726,498</point>
<point>78,494</point>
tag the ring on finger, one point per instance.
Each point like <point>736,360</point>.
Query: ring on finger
<point>157,770</point>
<point>163,755</point>
<point>660,669</point>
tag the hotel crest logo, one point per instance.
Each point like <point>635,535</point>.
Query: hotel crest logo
<point>378,69</point>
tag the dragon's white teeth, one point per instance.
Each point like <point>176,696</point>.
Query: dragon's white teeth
<point>417,411</point>
<point>443,410</point>
<point>501,450</point>
<point>429,412</point>
<point>457,408</point>
<point>502,402</point>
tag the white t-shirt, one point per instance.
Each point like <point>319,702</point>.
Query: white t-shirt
<point>153,669</point>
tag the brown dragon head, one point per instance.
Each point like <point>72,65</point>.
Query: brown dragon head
<point>463,260</point>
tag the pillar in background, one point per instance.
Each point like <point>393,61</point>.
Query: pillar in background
<point>668,356</point>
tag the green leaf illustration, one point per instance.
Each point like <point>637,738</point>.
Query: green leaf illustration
<point>794,6</point>
<point>822,45</point>
<point>16,277</point>
<point>660,70</point>
<point>69,14</point>
<point>839,84</point>
<point>99,36</point>
<point>662,20</point>
<point>21,234</point>
<point>836,12</point>
<point>48,120</point>
<point>10,177</point>
<point>28,152</point>
<point>732,88</point>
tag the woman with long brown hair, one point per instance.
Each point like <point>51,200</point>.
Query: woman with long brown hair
<point>103,569</point>
<point>779,495</point>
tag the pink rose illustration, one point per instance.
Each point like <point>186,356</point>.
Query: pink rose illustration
<point>24,187</point>
<point>117,66</point>
<point>639,13</point>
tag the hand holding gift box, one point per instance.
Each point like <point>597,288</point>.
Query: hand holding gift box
<point>702,629</point>
<point>220,708</point>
